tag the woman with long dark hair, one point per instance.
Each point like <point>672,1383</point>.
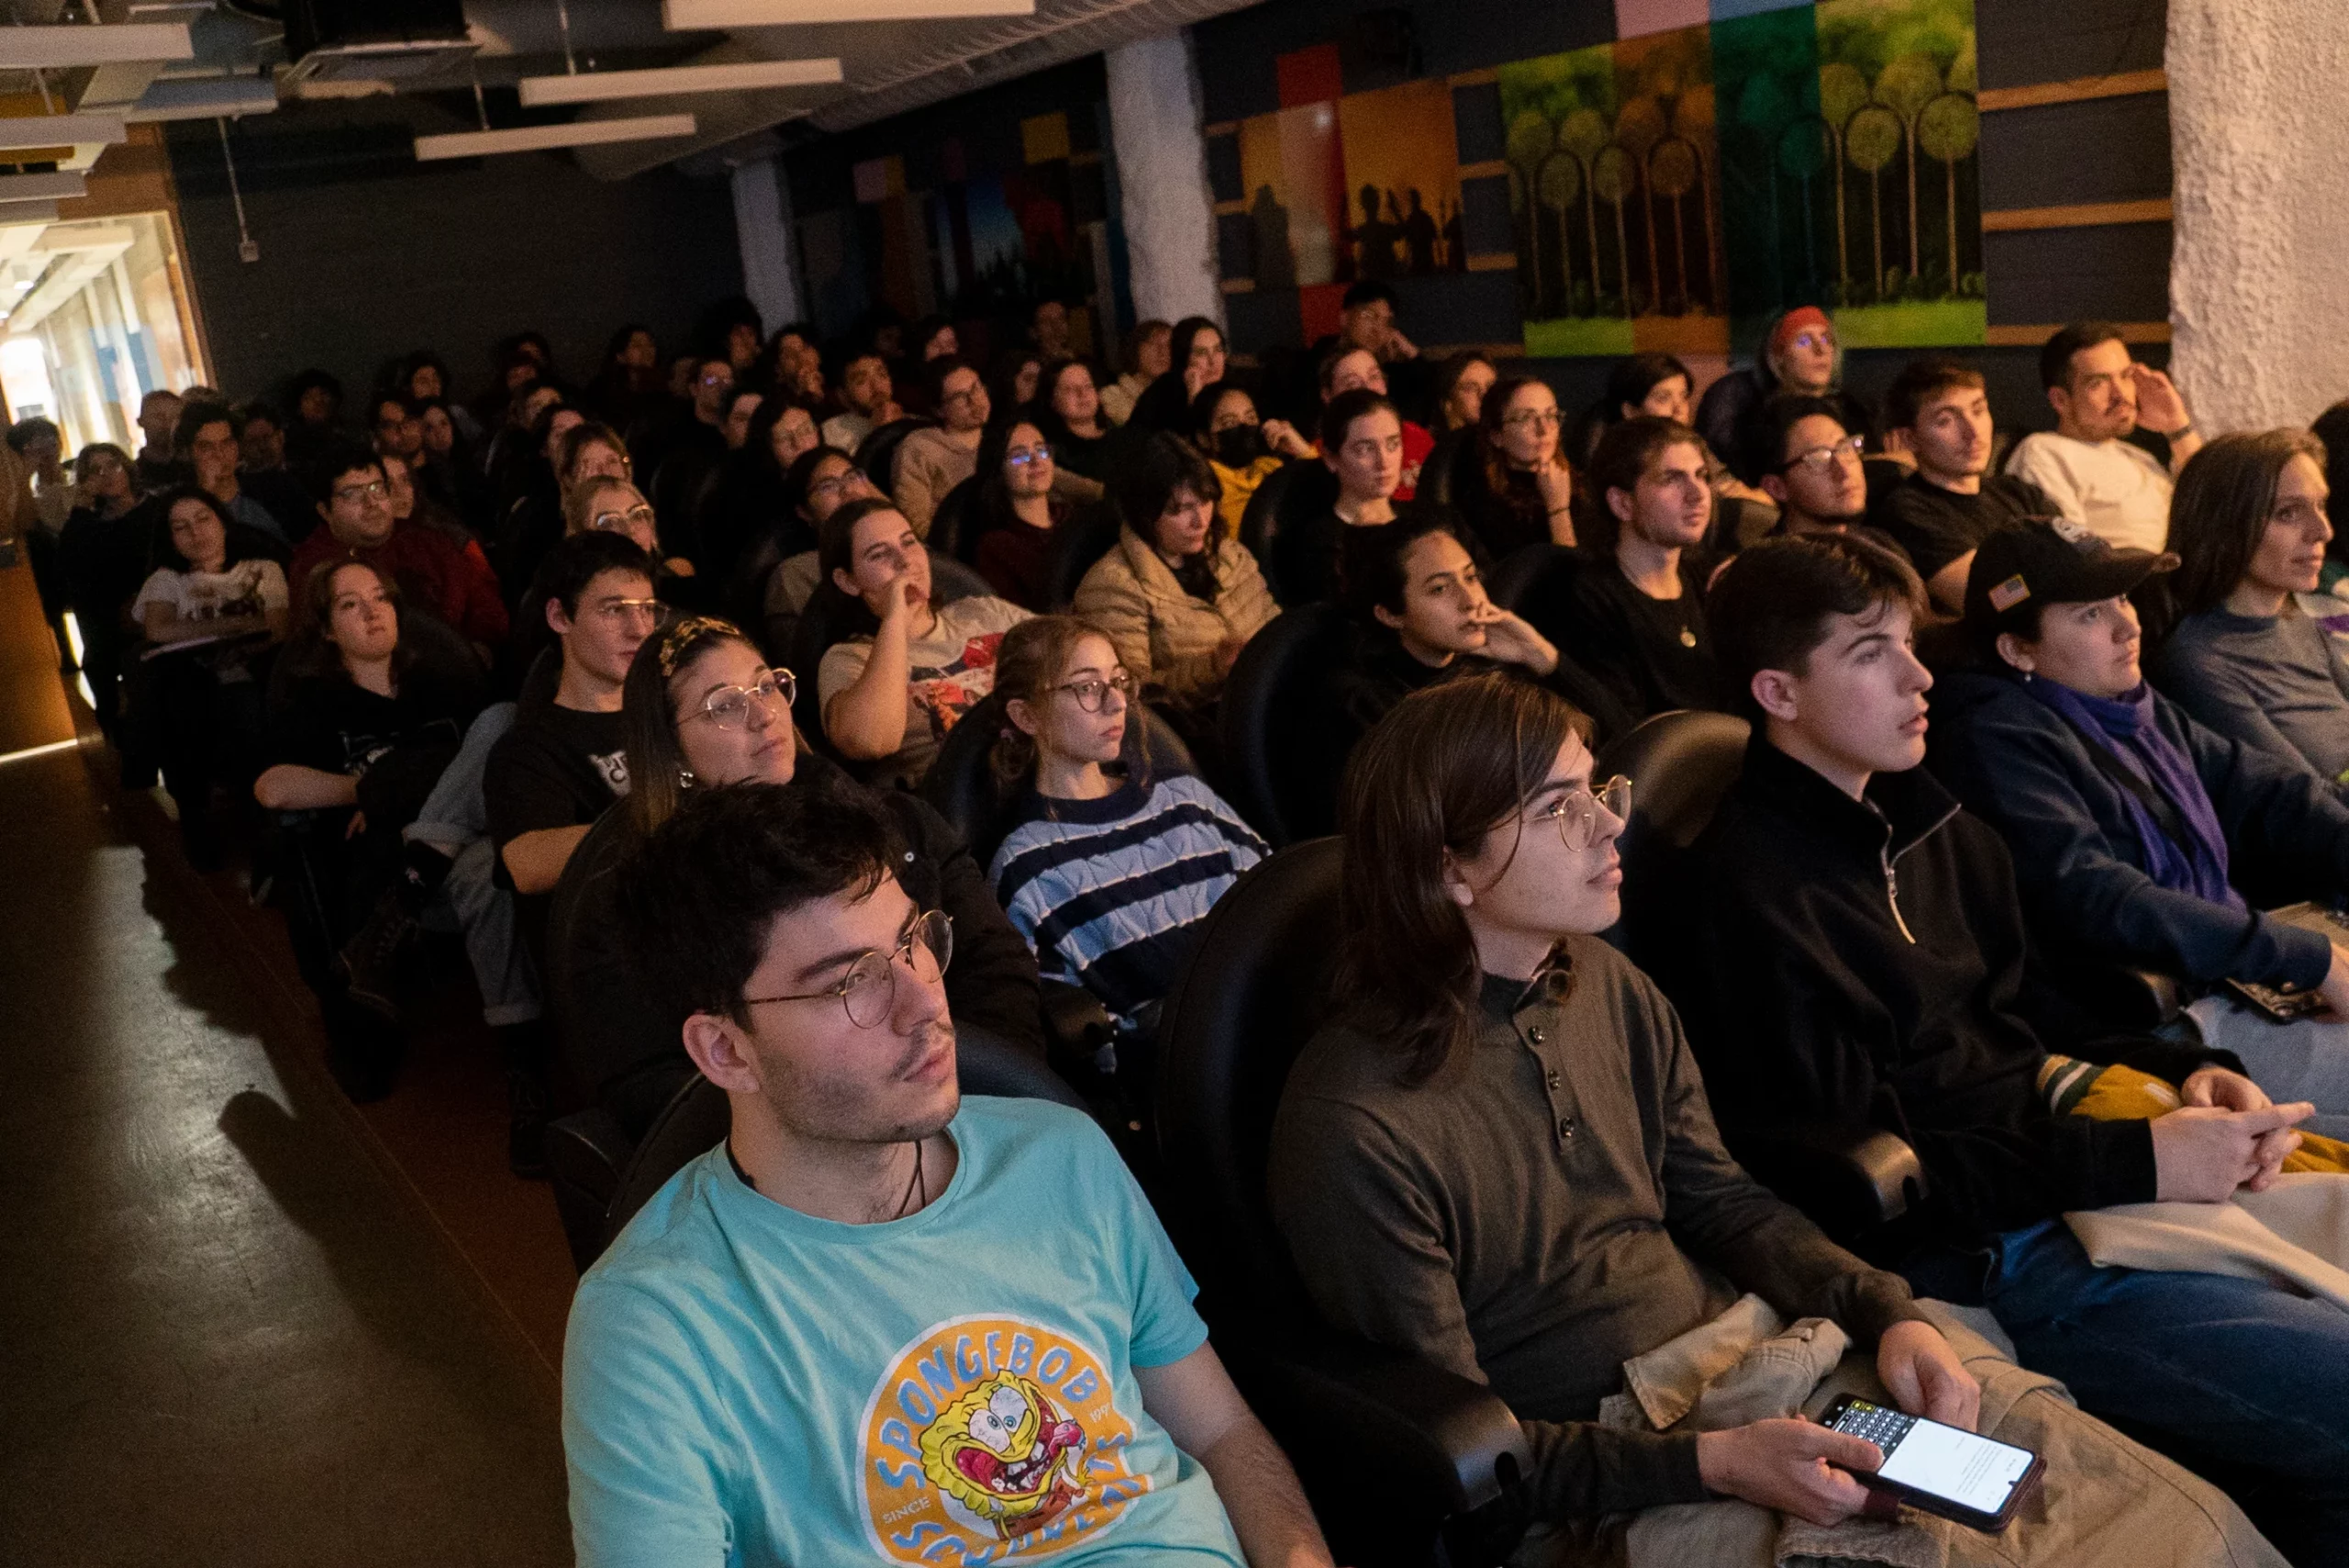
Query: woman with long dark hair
<point>1068,412</point>
<point>1519,489</point>
<point>1013,525</point>
<point>1194,358</point>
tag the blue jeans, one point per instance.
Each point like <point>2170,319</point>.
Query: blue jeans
<point>2235,1378</point>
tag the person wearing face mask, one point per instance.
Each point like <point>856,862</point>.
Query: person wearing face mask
<point>1798,353</point>
<point>1177,597</point>
<point>703,709</point>
<point>892,690</point>
<point>2087,464</point>
<point>2249,527</point>
<point>1105,867</point>
<point>2136,831</point>
<point>1244,450</point>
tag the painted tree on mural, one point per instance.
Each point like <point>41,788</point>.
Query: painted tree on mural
<point>1896,89</point>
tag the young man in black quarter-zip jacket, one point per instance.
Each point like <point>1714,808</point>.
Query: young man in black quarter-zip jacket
<point>1847,950</point>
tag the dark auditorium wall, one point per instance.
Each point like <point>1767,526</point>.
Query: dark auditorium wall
<point>366,253</point>
<point>2109,151</point>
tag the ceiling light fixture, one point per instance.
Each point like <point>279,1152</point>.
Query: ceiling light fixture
<point>695,15</point>
<point>546,138</point>
<point>13,213</point>
<point>112,44</point>
<point>40,187</point>
<point>204,98</point>
<point>60,130</point>
<point>596,87</point>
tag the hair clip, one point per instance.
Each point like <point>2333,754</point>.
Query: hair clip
<point>675,641</point>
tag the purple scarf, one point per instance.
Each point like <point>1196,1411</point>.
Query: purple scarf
<point>2125,726</point>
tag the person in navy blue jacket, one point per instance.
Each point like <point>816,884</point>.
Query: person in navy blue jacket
<point>2136,831</point>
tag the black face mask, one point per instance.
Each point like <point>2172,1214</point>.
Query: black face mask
<point>1238,445</point>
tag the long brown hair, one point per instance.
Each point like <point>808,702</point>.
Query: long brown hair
<point>656,759</point>
<point>1443,769</point>
<point>2225,495</point>
<point>311,650</point>
<point>1488,431</point>
<point>1029,663</point>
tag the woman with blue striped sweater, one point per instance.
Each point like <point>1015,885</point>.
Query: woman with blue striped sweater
<point>1108,872</point>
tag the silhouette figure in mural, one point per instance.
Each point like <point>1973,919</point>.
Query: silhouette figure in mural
<point>1455,242</point>
<point>1418,234</point>
<point>1276,263</point>
<point>1374,238</point>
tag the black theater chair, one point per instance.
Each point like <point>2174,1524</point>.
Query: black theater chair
<point>1533,582</point>
<point>1854,1182</point>
<point>877,453</point>
<point>601,1179</point>
<point>1089,535</point>
<point>1405,1463</point>
<point>1280,766</point>
<point>952,535</point>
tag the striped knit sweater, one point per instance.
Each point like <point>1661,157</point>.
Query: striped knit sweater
<point>1112,891</point>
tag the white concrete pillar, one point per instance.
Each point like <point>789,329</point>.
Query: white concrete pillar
<point>770,251</point>
<point>1162,175</point>
<point>2259,315</point>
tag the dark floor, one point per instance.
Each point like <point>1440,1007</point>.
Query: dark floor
<point>241,1322</point>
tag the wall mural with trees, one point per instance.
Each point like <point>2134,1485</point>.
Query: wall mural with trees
<point>1674,191</point>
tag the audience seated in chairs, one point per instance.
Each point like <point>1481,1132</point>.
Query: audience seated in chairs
<point>1358,369</point>
<point>589,450</point>
<point>1419,617</point>
<point>1812,468</point>
<point>1517,488</point>
<point>206,441</point>
<point>702,704</point>
<point>770,918</point>
<point>1243,450</point>
<point>1195,359</point>
<point>1799,353</point>
<point>2248,526</point>
<point>1107,876</point>
<point>2088,465</point>
<point>1068,412</point>
<point>1011,528</point>
<point>1940,513</point>
<point>434,571</point>
<point>1361,447</point>
<point>1461,383</point>
<point>1178,598</point>
<point>781,573</point>
<point>1636,614</point>
<point>2137,832</point>
<point>210,614</point>
<point>746,496</point>
<point>1500,1156</point>
<point>1145,359</point>
<point>1822,991</point>
<point>932,459</point>
<point>868,400</point>
<point>890,691</point>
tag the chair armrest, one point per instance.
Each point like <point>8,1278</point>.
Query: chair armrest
<point>1851,1180</point>
<point>1076,1023</point>
<point>1436,1443</point>
<point>585,1153</point>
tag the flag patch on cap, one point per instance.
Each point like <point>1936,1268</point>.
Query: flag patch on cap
<point>2010,594</point>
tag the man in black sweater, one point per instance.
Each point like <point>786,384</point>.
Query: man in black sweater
<point>1847,950</point>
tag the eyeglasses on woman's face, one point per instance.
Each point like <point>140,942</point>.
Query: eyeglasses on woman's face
<point>1020,457</point>
<point>1577,812</point>
<point>729,708</point>
<point>868,992</point>
<point>1531,419</point>
<point>620,522</point>
<point>1091,693</point>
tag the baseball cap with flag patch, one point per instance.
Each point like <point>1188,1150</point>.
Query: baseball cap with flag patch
<point>2049,561</point>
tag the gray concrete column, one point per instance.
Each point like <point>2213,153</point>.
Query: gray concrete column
<point>2258,311</point>
<point>1163,173</point>
<point>770,251</point>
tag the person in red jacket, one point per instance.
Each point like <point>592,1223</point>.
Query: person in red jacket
<point>432,569</point>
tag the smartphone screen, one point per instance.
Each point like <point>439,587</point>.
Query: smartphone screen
<point>1972,1472</point>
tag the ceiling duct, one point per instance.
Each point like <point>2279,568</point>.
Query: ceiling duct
<point>397,42</point>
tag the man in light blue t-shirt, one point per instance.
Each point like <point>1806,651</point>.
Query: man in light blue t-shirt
<point>880,1323</point>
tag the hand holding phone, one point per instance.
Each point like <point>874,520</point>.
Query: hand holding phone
<point>1794,1466</point>
<point>1942,1469</point>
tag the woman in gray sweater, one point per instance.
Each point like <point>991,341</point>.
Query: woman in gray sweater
<point>2247,659</point>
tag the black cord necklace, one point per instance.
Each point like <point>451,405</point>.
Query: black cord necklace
<point>919,1187</point>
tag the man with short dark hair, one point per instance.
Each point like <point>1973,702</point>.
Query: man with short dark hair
<point>206,440</point>
<point>355,501</point>
<point>1048,327</point>
<point>398,426</point>
<point>1809,464</point>
<point>159,417</point>
<point>883,1321</point>
<point>871,400</point>
<point>1941,512</point>
<point>932,461</point>
<point>1846,947</point>
<point>2088,466</point>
